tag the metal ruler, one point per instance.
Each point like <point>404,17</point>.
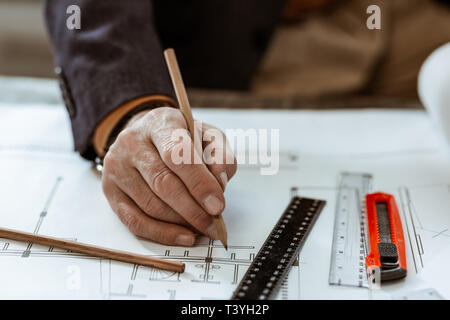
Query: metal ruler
<point>350,243</point>
<point>270,266</point>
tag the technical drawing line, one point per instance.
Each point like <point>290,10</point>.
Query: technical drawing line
<point>438,234</point>
<point>161,275</point>
<point>26,253</point>
<point>294,191</point>
<point>70,254</point>
<point>42,215</point>
<point>413,223</point>
<point>412,207</point>
<point>208,260</point>
<point>134,271</point>
<point>101,277</point>
<point>402,200</point>
<point>129,293</point>
<point>421,245</point>
<point>207,264</point>
<point>172,294</point>
<point>235,274</point>
<point>109,278</point>
<point>47,254</point>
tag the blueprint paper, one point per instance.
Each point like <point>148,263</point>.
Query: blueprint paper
<point>47,188</point>
<point>436,273</point>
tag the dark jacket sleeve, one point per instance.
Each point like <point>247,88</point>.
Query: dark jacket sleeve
<point>115,57</point>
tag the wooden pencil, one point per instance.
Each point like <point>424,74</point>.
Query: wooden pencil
<point>93,250</point>
<point>185,108</point>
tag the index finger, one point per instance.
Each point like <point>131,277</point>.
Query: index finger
<point>176,149</point>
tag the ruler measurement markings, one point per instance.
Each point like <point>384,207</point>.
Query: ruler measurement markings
<point>350,242</point>
<point>281,248</point>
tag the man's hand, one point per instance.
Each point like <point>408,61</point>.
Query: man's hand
<point>155,197</point>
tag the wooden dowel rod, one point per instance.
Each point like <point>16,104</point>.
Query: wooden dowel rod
<point>93,250</point>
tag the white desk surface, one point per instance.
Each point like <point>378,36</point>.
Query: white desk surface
<point>39,172</point>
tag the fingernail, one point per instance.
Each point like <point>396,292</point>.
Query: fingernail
<point>213,205</point>
<point>212,232</point>
<point>185,240</point>
<point>224,178</point>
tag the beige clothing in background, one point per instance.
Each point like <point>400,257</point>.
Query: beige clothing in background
<point>334,53</point>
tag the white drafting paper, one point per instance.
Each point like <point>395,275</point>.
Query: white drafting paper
<point>436,273</point>
<point>48,189</point>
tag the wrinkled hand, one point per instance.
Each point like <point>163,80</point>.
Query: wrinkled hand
<point>159,198</point>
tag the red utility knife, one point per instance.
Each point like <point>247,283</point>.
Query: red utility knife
<point>387,243</point>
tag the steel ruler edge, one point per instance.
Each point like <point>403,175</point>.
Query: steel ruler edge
<point>279,251</point>
<point>350,236</point>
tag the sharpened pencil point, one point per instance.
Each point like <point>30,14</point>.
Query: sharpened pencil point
<point>221,230</point>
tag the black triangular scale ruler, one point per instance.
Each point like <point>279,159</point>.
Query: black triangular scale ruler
<point>273,261</point>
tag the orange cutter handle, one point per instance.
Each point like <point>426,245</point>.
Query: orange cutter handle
<point>382,251</point>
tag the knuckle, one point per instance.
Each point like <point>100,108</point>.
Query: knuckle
<point>160,235</point>
<point>113,167</point>
<point>151,206</point>
<point>160,212</point>
<point>198,219</point>
<point>109,161</point>
<point>162,181</point>
<point>159,111</point>
<point>153,114</point>
<point>127,137</point>
<point>175,114</point>
<point>133,223</point>
<point>166,113</point>
<point>176,152</point>
<point>198,186</point>
<point>168,154</point>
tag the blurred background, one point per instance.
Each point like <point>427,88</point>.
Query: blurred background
<point>414,29</point>
<point>24,47</point>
